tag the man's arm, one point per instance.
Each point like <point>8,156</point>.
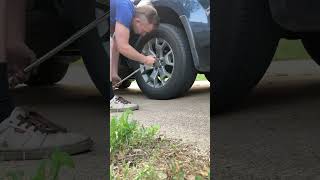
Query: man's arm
<point>122,35</point>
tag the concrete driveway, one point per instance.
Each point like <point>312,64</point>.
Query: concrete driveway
<point>76,104</point>
<point>186,118</point>
<point>275,133</point>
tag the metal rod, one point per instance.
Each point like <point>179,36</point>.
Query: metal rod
<point>134,72</point>
<point>156,64</point>
<point>70,40</point>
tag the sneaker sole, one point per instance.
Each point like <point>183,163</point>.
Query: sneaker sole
<point>35,154</point>
<point>122,110</point>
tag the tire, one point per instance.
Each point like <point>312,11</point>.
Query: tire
<point>92,45</point>
<point>311,44</point>
<point>245,39</point>
<point>208,76</point>
<point>125,84</point>
<point>48,73</point>
<point>182,71</point>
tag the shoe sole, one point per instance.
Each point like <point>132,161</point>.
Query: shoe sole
<point>122,110</point>
<point>35,154</point>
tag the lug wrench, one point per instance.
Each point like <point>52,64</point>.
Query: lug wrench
<point>130,75</point>
<point>133,73</point>
<point>67,42</point>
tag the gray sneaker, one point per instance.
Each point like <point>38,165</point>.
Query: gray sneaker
<point>28,135</point>
<point>119,104</point>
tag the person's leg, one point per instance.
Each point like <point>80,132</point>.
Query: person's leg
<point>6,105</point>
<point>114,77</point>
<point>110,58</point>
<point>117,104</point>
<point>16,29</point>
<point>19,55</point>
<point>111,94</point>
<point>3,30</point>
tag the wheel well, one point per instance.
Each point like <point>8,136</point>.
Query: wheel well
<point>169,16</point>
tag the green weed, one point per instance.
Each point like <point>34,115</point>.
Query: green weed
<point>140,153</point>
<point>47,170</point>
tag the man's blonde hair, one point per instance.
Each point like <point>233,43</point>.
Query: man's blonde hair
<point>149,13</point>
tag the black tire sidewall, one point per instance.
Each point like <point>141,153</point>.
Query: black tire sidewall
<point>207,74</point>
<point>48,73</point>
<point>94,54</point>
<point>311,43</point>
<point>184,72</point>
<point>125,84</point>
<point>245,38</point>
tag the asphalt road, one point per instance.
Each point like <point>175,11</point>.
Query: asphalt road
<point>186,118</point>
<point>275,133</point>
<point>76,104</point>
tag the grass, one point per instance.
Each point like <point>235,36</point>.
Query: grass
<point>291,50</point>
<point>125,134</point>
<point>138,153</point>
<point>201,77</point>
<point>48,169</point>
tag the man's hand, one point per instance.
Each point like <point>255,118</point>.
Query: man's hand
<point>19,56</point>
<point>149,60</point>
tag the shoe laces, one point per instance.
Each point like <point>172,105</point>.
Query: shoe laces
<point>122,100</point>
<point>40,123</point>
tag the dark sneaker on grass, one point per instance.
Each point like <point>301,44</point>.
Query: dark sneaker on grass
<point>27,135</point>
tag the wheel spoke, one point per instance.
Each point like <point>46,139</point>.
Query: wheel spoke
<point>166,74</point>
<point>168,60</point>
<point>145,68</point>
<point>158,76</point>
<point>154,77</point>
<point>159,48</point>
<point>150,50</point>
<point>154,74</point>
<point>163,82</point>
<point>161,74</point>
<point>155,82</point>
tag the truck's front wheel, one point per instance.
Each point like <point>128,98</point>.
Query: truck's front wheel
<point>48,73</point>
<point>244,40</point>
<point>175,73</point>
<point>311,42</point>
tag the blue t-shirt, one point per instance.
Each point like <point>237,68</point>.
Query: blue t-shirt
<point>121,11</point>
